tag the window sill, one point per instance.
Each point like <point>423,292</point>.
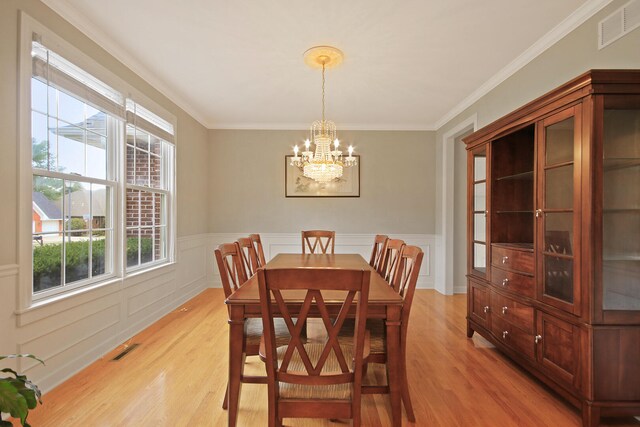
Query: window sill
<point>59,303</point>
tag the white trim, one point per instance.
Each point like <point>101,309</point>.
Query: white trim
<point>573,21</point>
<point>86,26</point>
<point>305,126</point>
<point>25,170</point>
<point>9,270</point>
<point>444,254</point>
<point>72,177</point>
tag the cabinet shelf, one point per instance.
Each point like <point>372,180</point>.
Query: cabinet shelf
<point>514,212</point>
<point>528,175</point>
<point>621,210</point>
<point>621,257</point>
<point>615,163</point>
<point>517,246</point>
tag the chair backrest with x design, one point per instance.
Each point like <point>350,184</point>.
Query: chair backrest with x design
<point>406,278</point>
<point>319,290</point>
<point>257,245</point>
<point>248,256</point>
<point>377,254</point>
<point>318,241</point>
<point>231,268</point>
<point>391,259</point>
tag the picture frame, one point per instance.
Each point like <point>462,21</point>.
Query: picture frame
<point>298,185</point>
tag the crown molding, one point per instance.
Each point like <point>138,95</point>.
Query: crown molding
<point>305,127</point>
<point>573,21</point>
<point>89,29</point>
<point>84,25</point>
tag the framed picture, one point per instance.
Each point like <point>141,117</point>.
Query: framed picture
<point>298,185</point>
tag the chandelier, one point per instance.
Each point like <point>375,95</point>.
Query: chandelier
<point>324,165</point>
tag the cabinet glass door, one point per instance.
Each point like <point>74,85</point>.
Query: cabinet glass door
<point>478,220</point>
<point>558,202</point>
<point>620,195</point>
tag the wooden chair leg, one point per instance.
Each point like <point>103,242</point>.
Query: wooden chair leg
<point>357,415</point>
<point>406,398</point>
<point>225,402</point>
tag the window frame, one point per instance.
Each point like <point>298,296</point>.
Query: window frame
<point>116,156</point>
<point>167,158</point>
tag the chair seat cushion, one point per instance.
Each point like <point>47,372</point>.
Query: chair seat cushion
<point>376,330</point>
<point>320,392</point>
<point>253,331</point>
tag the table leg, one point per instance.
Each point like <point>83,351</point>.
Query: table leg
<point>393,363</point>
<point>236,361</point>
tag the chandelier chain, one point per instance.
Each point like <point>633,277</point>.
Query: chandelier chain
<point>323,94</point>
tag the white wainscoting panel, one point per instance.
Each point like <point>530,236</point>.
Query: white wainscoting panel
<point>277,243</point>
<point>71,333</point>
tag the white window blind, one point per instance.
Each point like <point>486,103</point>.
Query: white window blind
<point>53,70</point>
<point>144,119</point>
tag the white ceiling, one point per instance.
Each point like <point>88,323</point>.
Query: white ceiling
<point>408,64</point>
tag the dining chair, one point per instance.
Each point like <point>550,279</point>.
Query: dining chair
<point>404,282</point>
<point>248,255</point>
<point>391,258</point>
<point>314,380</point>
<point>318,240</point>
<point>377,254</point>
<point>257,244</point>
<point>233,276</point>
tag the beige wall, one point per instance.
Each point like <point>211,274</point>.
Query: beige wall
<point>397,180</point>
<point>573,55</point>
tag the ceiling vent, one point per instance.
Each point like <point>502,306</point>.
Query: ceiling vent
<point>619,23</point>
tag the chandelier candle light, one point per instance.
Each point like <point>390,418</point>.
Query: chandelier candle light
<point>325,165</point>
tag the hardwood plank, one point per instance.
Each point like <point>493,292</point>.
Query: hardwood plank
<point>177,377</point>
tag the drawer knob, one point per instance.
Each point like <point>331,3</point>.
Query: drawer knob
<point>485,309</point>
<point>505,334</point>
<point>537,339</point>
<point>505,282</point>
<point>504,309</point>
<point>538,213</point>
<point>505,259</point>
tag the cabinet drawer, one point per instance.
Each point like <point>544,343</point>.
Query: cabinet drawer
<point>513,337</point>
<point>516,313</point>
<point>514,282</point>
<point>511,259</point>
<point>478,301</point>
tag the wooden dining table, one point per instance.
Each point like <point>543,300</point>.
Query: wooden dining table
<point>384,303</point>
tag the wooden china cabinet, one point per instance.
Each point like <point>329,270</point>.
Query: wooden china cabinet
<point>554,240</point>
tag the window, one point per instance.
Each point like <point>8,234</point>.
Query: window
<point>148,185</point>
<point>89,144</point>
<point>72,144</point>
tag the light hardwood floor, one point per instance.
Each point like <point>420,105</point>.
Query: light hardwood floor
<point>177,376</point>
